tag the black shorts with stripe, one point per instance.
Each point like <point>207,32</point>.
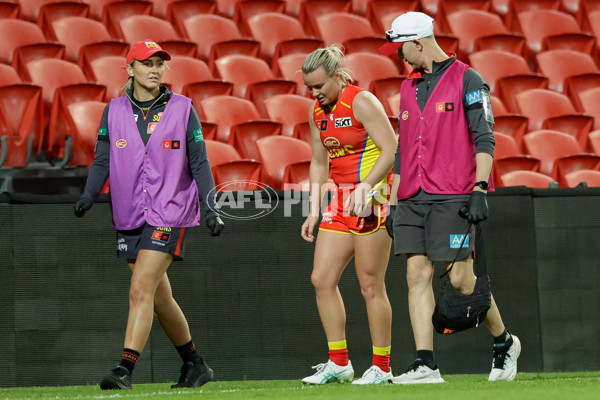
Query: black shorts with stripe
<point>148,237</point>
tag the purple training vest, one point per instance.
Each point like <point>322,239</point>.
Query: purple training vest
<point>151,183</point>
<point>437,152</point>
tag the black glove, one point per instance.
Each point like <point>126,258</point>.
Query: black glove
<point>214,223</point>
<point>477,207</point>
<point>389,222</point>
<point>81,207</point>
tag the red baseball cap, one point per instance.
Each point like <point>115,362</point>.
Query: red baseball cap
<point>144,50</point>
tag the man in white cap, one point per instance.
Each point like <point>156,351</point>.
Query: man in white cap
<point>445,154</point>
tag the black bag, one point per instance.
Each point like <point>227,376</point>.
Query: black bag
<point>455,313</point>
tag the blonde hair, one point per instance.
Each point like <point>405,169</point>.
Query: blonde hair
<point>332,60</point>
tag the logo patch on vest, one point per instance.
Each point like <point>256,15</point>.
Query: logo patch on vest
<point>474,97</point>
<point>121,143</point>
<point>171,145</point>
<point>198,137</point>
<point>343,122</point>
<point>151,127</point>
<point>102,132</point>
<point>444,107</point>
<point>455,241</point>
<point>405,115</point>
<point>323,126</point>
<point>331,143</point>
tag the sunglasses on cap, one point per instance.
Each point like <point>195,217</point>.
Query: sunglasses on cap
<point>390,36</point>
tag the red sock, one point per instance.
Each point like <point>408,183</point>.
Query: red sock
<point>383,362</point>
<point>340,357</point>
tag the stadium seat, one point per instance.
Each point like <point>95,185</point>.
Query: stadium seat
<point>218,36</point>
<point>302,132</point>
<point>76,32</point>
<point>9,10</point>
<point>114,12</point>
<point>85,119</point>
<point>238,175</point>
<point>559,65</point>
<point>243,136</point>
<point>594,142</point>
<point>180,10</point>
<point>52,12</point>
<point>447,7</point>
<point>340,27</point>
<point>377,9</point>
<point>290,68</point>
<point>280,34</point>
<point>508,157</point>
<point>590,177</point>
<point>183,70</point>
<point>63,83</point>
<point>277,152</point>
<point>296,176</point>
<point>566,165</point>
<point>550,110</point>
<point>93,51</point>
<point>482,30</point>
<point>548,146</point>
<point>507,74</point>
<point>590,99</point>
<point>393,104</point>
<point>141,27</point>
<point>376,73</point>
<point>107,71</point>
<point>9,75</point>
<point>245,10</point>
<point>527,178</point>
<point>547,29</point>
<point>198,91</point>
<point>21,122</point>
<point>226,111</point>
<point>22,42</point>
<point>289,110</point>
<point>516,7</point>
<point>311,9</point>
<point>220,153</point>
<point>252,79</point>
<point>512,125</point>
<point>34,10</point>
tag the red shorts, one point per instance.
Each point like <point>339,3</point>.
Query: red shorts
<point>337,219</point>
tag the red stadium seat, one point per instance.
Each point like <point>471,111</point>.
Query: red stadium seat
<point>180,10</point>
<point>483,30</point>
<point>33,10</point>
<point>52,12</point>
<point>590,99</point>
<point>9,10</point>
<point>244,136</point>
<point>218,36</point>
<point>290,68</point>
<point>245,10</point>
<point>550,110</point>
<point>590,177</point>
<point>563,166</point>
<point>527,178</point>
<point>183,70</point>
<point>341,27</point>
<point>198,91</point>
<point>559,65</point>
<point>114,12</point>
<point>22,42</point>
<point>107,71</point>
<point>253,79</point>
<point>226,111</point>
<point>296,176</point>
<point>142,27</point>
<point>21,123</point>
<point>594,142</point>
<point>220,153</point>
<point>508,157</point>
<point>289,110</point>
<point>311,9</point>
<point>447,7</point>
<point>517,7</point>
<point>275,31</point>
<point>377,9</point>
<point>277,152</point>
<point>93,51</point>
<point>548,146</point>
<point>83,130</point>
<point>507,74</point>
<point>238,175</point>
<point>512,125</point>
<point>76,32</point>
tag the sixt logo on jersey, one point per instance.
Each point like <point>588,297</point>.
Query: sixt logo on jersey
<point>343,122</point>
<point>444,107</point>
<point>171,145</point>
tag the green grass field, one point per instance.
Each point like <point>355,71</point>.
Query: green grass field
<point>568,385</point>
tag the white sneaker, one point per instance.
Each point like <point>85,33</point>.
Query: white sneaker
<point>418,373</point>
<point>330,372</point>
<point>374,376</point>
<point>504,364</point>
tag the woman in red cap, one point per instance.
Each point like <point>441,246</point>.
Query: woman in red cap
<point>151,146</point>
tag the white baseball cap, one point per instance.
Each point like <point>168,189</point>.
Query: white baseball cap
<point>409,26</point>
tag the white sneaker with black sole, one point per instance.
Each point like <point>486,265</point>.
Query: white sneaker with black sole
<point>418,373</point>
<point>504,363</point>
<point>330,372</point>
<point>374,376</point>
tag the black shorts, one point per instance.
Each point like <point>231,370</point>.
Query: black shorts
<point>434,229</point>
<point>148,237</point>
